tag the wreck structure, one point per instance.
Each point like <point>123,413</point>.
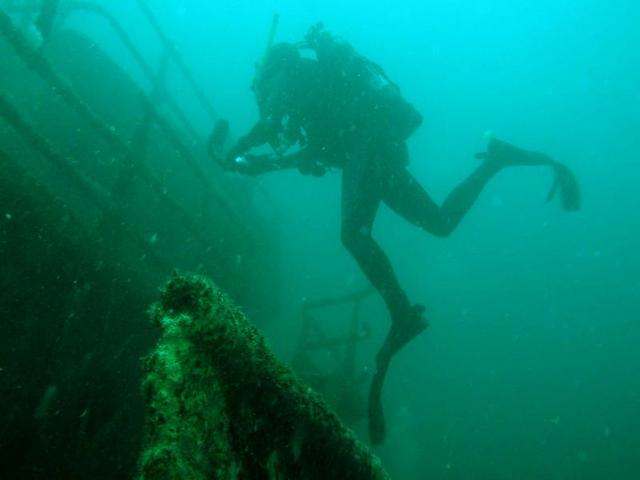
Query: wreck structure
<point>105,189</point>
<point>222,406</point>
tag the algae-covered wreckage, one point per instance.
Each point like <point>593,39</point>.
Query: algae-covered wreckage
<point>222,406</point>
<point>94,215</point>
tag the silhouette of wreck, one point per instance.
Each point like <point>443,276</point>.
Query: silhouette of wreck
<point>105,189</point>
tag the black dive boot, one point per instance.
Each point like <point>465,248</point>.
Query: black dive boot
<point>402,332</point>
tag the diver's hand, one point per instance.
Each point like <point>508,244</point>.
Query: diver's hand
<point>229,161</point>
<point>253,165</point>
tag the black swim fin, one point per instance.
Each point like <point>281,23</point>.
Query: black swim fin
<point>399,335</point>
<point>506,154</point>
<point>567,183</point>
<point>377,428</point>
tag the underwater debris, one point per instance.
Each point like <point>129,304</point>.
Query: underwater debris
<point>220,405</point>
<point>341,383</point>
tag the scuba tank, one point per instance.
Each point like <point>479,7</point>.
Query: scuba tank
<point>382,101</point>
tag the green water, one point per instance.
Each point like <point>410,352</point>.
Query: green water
<point>529,368</point>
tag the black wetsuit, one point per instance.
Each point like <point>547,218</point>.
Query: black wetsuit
<point>345,124</point>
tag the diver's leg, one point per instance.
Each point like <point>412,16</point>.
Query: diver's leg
<point>361,194</point>
<point>362,185</point>
<point>406,196</point>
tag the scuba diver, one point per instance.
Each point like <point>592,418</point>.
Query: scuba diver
<point>322,105</point>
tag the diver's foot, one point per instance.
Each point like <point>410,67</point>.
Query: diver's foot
<point>402,332</point>
<point>502,154</point>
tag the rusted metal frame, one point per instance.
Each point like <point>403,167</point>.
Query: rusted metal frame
<point>334,301</point>
<point>349,340</point>
<point>331,343</point>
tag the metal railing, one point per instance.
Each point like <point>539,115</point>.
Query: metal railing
<point>122,35</point>
<point>33,57</point>
<point>63,10</point>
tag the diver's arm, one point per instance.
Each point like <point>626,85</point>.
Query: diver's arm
<point>259,134</point>
<point>304,160</point>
